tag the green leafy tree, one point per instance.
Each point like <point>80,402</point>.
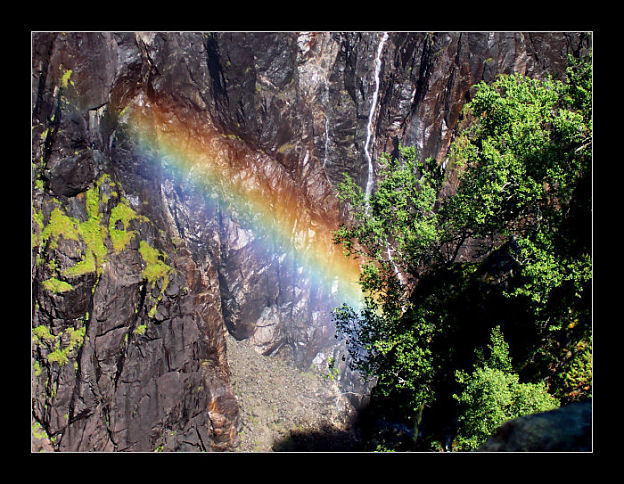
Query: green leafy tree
<point>492,394</point>
<point>396,227</point>
<point>526,156</point>
<point>511,245</point>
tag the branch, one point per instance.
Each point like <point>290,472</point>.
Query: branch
<point>583,145</point>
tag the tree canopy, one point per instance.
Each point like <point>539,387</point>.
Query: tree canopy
<point>497,236</point>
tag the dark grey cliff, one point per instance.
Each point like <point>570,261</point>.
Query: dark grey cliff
<point>136,277</point>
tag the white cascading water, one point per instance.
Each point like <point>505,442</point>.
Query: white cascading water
<point>396,269</point>
<point>371,115</point>
<point>326,140</point>
<point>326,101</point>
<point>369,134</point>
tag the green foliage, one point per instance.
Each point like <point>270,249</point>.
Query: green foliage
<point>76,337</point>
<point>492,394</point>
<point>526,157</point>
<point>571,379</point>
<point>498,352</point>
<point>37,217</point>
<point>91,232</point>
<point>94,232</point>
<point>577,93</point>
<point>333,370</point>
<point>535,138</point>
<point>58,356</point>
<point>399,212</point>
<point>492,397</point>
<point>396,227</point>
<point>522,207</point>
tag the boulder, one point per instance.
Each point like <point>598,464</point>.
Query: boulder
<point>566,429</point>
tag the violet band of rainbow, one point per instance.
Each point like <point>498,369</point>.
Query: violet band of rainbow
<point>258,191</point>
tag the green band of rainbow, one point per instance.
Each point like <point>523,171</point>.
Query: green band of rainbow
<point>259,191</point>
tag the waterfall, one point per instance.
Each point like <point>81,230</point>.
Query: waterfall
<point>396,269</point>
<point>326,140</point>
<point>371,114</point>
<point>397,272</point>
<point>369,134</point>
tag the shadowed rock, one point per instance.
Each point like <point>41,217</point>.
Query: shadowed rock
<point>566,429</point>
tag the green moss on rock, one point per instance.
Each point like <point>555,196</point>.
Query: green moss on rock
<point>76,339</point>
<point>59,225</point>
<point>93,232</point>
<point>57,286</point>
<point>123,213</point>
<point>42,333</point>
<point>155,268</point>
<point>38,431</point>
<point>37,368</point>
<point>59,356</point>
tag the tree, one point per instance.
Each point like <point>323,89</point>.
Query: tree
<point>492,394</point>
<point>511,246</point>
<point>396,227</point>
<point>526,152</point>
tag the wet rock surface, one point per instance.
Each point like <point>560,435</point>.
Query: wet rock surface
<point>138,277</point>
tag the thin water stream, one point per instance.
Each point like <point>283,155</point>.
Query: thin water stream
<point>369,128</point>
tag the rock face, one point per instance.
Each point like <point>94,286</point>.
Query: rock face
<point>138,272</point>
<point>566,429</point>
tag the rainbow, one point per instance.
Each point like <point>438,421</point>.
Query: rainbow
<point>258,190</point>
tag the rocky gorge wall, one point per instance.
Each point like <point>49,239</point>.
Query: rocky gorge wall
<point>152,156</point>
